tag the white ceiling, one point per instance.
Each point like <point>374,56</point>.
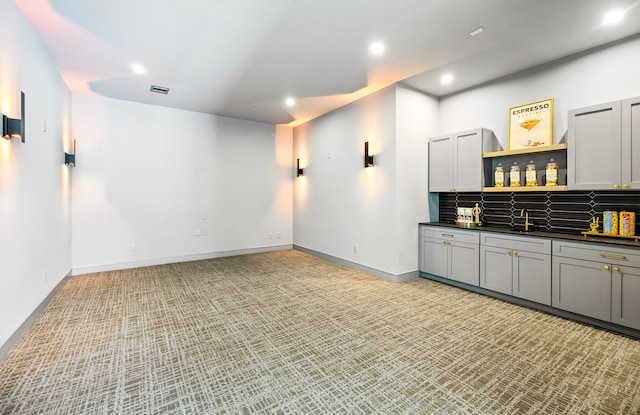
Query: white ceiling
<point>241,58</point>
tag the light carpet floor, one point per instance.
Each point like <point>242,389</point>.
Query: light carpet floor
<point>288,333</point>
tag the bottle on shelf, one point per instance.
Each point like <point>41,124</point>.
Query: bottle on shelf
<point>499,175</point>
<point>552,173</point>
<point>531,174</point>
<point>514,175</point>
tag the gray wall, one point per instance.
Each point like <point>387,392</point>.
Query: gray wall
<point>35,229</point>
<point>156,185</point>
<point>367,216</point>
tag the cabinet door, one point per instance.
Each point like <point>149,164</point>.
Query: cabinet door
<point>626,296</point>
<point>582,287</point>
<point>532,277</point>
<point>467,175</point>
<point>434,257</point>
<point>594,147</point>
<point>463,263</point>
<point>496,269</point>
<point>631,143</point>
<point>441,160</point>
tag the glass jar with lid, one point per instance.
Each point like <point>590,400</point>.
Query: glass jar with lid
<point>499,175</point>
<point>531,174</point>
<point>514,175</point>
<point>551,172</point>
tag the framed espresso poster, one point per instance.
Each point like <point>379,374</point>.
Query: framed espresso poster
<point>531,125</point>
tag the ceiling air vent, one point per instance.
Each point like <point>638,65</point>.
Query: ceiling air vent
<point>159,89</point>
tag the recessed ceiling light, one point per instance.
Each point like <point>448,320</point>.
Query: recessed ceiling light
<point>289,102</point>
<point>446,79</point>
<point>476,31</point>
<point>137,68</point>
<point>376,48</point>
<point>613,17</point>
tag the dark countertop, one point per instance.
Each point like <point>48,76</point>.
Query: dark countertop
<point>541,234</point>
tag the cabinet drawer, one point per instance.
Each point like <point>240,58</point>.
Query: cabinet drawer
<point>518,243</point>
<point>597,252</point>
<point>450,234</point>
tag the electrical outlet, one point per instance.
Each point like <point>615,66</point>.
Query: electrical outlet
<point>355,249</point>
<point>132,248</point>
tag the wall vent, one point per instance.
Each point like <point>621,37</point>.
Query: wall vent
<point>159,89</point>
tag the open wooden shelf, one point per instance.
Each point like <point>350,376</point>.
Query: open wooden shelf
<point>529,150</point>
<point>526,189</point>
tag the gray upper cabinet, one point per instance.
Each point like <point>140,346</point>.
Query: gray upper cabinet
<point>441,164</point>
<point>602,146</point>
<point>455,160</point>
<point>631,142</point>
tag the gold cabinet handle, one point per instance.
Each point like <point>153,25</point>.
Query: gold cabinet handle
<point>515,253</point>
<point>616,269</point>
<point>447,235</point>
<point>626,185</point>
<point>612,256</point>
<point>616,186</point>
<point>606,267</point>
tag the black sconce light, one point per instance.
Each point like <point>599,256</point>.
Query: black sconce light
<point>70,158</point>
<point>299,170</point>
<point>368,159</point>
<point>14,127</point>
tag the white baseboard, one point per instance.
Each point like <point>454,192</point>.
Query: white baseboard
<point>407,276</point>
<point>17,335</point>
<point>173,260</point>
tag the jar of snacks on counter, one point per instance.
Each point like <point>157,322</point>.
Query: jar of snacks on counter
<point>499,175</point>
<point>627,223</point>
<point>514,175</point>
<point>610,222</point>
<point>552,173</point>
<point>531,174</point>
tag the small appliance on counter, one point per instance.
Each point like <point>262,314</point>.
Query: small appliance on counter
<point>469,217</point>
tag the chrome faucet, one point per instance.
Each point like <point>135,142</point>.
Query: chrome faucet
<point>524,212</point>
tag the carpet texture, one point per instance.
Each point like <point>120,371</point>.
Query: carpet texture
<point>287,333</point>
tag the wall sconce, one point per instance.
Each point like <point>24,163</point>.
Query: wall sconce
<point>70,158</point>
<point>298,169</point>
<point>14,127</point>
<point>368,159</point>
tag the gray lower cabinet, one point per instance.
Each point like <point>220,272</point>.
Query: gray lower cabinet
<point>598,281</point>
<point>518,266</point>
<point>582,287</point>
<point>450,253</point>
<point>625,300</point>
